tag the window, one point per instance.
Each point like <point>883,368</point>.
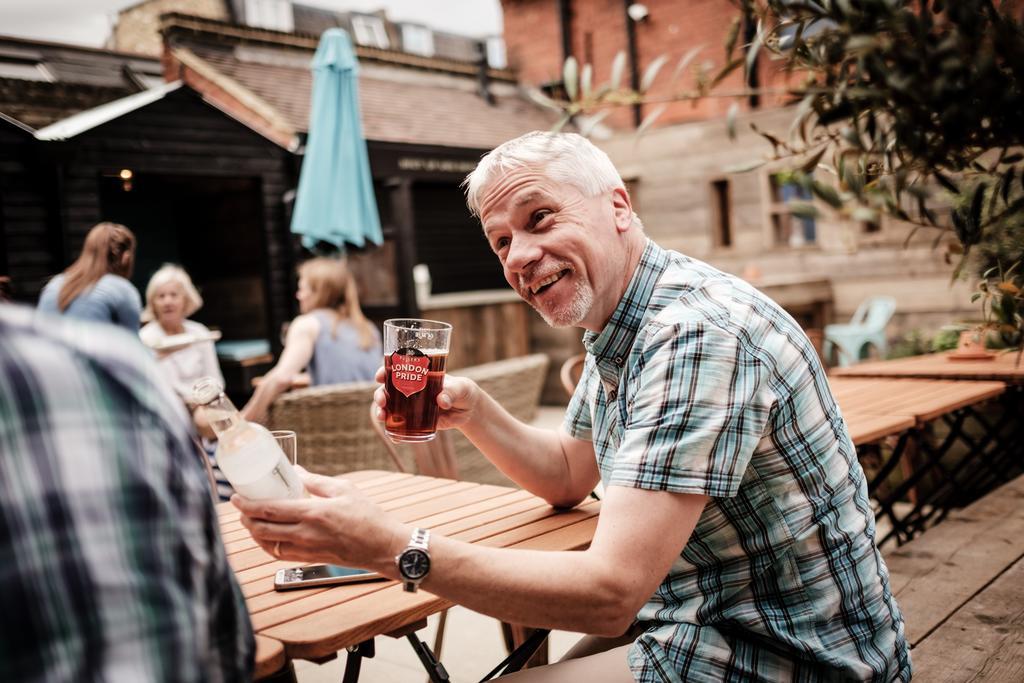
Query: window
<point>496,58</point>
<point>721,220</point>
<point>275,15</point>
<point>418,40</point>
<point>370,31</point>
<point>26,71</point>
<point>788,230</point>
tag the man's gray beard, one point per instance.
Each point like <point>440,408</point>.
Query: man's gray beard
<point>574,313</point>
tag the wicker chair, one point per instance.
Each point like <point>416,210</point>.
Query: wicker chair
<point>335,432</point>
<point>516,384</point>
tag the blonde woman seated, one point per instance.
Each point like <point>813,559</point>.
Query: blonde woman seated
<point>170,299</point>
<point>332,336</point>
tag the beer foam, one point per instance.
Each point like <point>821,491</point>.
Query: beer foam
<point>429,352</point>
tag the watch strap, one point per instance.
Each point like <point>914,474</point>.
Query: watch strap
<point>420,540</point>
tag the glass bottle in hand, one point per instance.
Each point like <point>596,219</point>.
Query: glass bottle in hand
<point>247,453</point>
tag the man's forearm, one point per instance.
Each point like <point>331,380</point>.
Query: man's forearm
<point>561,590</point>
<point>533,458</point>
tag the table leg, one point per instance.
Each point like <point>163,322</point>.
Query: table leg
<point>520,656</point>
<point>435,669</point>
<point>355,660</point>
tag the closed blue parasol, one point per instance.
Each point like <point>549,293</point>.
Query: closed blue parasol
<point>334,202</point>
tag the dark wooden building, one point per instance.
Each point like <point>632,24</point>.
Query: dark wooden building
<point>202,165</point>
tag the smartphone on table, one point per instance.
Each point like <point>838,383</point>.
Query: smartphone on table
<point>313,575</point>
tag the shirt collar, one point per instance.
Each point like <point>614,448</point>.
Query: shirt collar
<point>616,339</point>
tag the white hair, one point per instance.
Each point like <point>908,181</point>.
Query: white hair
<point>564,157</point>
<point>167,274</point>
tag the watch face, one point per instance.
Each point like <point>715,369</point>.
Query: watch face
<point>414,564</point>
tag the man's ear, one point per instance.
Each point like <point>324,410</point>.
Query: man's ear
<point>622,209</point>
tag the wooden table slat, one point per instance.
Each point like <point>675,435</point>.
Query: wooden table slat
<point>1003,367</point>
<point>393,607</point>
<point>270,656</point>
<point>253,578</point>
<point>515,531</point>
<point>868,428</point>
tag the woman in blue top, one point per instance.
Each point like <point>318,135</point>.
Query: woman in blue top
<point>96,286</point>
<point>332,336</point>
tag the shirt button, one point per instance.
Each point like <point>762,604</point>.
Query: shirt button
<point>619,361</point>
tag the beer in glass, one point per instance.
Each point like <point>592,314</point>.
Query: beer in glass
<point>415,355</point>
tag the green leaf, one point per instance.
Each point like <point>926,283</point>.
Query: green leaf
<point>947,183</point>
<point>685,60</point>
<point>570,78</point>
<point>588,124</point>
<point>812,163</point>
<point>755,46</point>
<point>651,118</point>
<point>618,68</point>
<point>975,216</point>
<point>543,100</point>
<point>731,37</point>
<point>726,70</point>
<point>561,123</point>
<point>864,214</point>
<point>826,193</point>
<point>802,209</point>
<point>1007,182</point>
<point>861,43</point>
<point>652,72</point>
<point>730,120</point>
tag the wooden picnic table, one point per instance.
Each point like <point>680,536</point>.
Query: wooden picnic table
<point>916,479</point>
<point>961,589</point>
<point>921,399</point>
<point>316,623</point>
<point>1002,367</point>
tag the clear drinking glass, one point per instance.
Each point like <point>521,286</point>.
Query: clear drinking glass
<point>288,442</point>
<point>415,356</point>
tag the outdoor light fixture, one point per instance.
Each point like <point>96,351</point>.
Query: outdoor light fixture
<point>126,176</point>
<point>638,11</point>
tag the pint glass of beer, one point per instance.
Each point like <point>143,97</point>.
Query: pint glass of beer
<point>415,355</point>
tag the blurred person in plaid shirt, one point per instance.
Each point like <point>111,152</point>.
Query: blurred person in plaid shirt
<point>735,540</point>
<point>111,562</point>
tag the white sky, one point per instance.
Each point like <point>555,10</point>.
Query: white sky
<point>88,22</point>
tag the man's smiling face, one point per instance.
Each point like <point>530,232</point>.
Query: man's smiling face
<point>556,246</point>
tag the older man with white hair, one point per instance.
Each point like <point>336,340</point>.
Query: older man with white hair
<point>735,540</point>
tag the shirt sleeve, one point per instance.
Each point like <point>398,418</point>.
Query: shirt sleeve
<point>697,410</point>
<point>578,422</point>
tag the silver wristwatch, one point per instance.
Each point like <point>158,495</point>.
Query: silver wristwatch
<point>414,562</point>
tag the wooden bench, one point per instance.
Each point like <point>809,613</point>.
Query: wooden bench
<point>960,586</point>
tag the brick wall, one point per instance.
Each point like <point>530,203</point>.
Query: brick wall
<point>534,41</point>
<point>138,27</point>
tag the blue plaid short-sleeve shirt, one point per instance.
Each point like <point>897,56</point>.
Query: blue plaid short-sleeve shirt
<point>701,384</point>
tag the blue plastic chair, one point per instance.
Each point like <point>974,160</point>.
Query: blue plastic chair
<point>867,326</point>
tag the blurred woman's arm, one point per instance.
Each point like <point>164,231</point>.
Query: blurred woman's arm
<point>298,350</point>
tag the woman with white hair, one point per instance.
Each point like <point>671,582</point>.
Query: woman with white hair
<point>170,299</point>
